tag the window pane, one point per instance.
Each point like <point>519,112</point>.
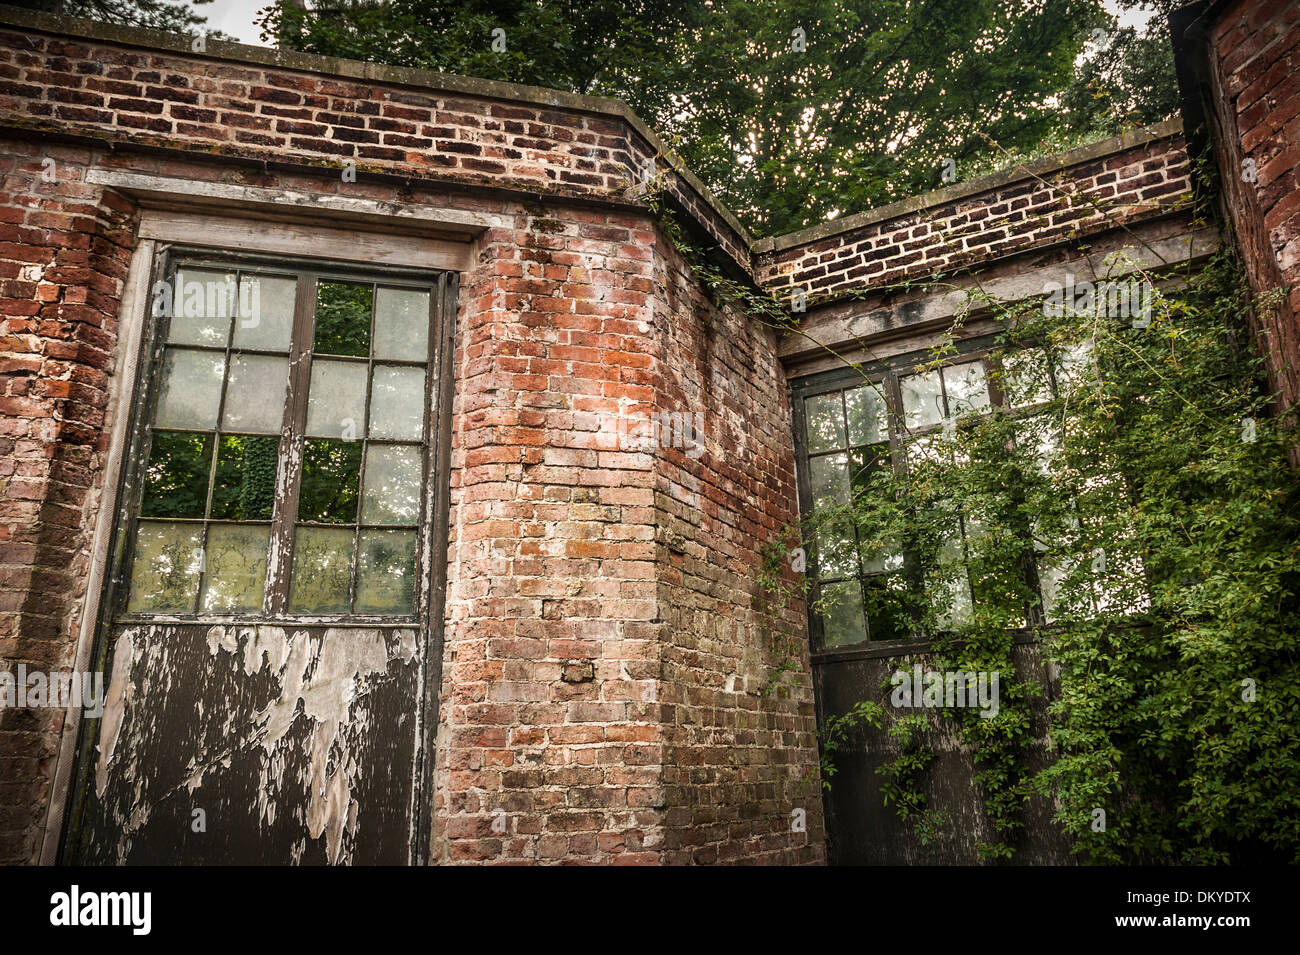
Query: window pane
<point>244,489</point>
<point>322,567</point>
<point>836,552</point>
<point>825,422</point>
<point>1072,365</point>
<point>842,622</point>
<point>236,568</point>
<point>922,400</point>
<point>202,303</point>
<point>402,324</point>
<point>967,390</point>
<point>265,319</point>
<point>342,319</point>
<point>392,493</point>
<point>255,394</point>
<point>829,480</point>
<point>865,462</point>
<point>1025,379</point>
<point>879,555</point>
<point>331,471</point>
<point>397,403</point>
<point>336,404</point>
<point>189,394</point>
<point>165,571</point>
<point>386,572</point>
<point>866,411</point>
<point>176,478</point>
<point>886,603</point>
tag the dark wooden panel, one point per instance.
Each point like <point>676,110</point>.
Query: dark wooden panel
<point>864,831</point>
<point>299,745</point>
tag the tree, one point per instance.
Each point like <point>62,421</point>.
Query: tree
<point>1127,77</point>
<point>173,16</point>
<point>793,112</point>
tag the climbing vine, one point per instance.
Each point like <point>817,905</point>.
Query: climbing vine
<point>1150,496</point>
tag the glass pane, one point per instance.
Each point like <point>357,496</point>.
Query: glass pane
<point>189,394</point>
<point>327,493</point>
<point>402,324</point>
<point>879,555</point>
<point>836,551</point>
<point>841,607</point>
<point>1025,378</point>
<point>865,462</point>
<point>256,393</point>
<point>392,493</point>
<point>397,403</point>
<point>176,478</point>
<point>866,411</point>
<point>885,600</point>
<point>244,489</point>
<point>1040,435</point>
<point>322,567</point>
<point>336,404</point>
<point>922,400</point>
<point>829,480</point>
<point>236,566</point>
<point>1072,366</point>
<point>202,303</point>
<point>165,571</point>
<point>342,319</point>
<point>967,390</point>
<point>265,319</point>
<point>928,451</point>
<point>952,595</point>
<point>824,422</point>
<point>386,572</point>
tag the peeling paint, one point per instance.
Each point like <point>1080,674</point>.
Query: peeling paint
<point>119,693</point>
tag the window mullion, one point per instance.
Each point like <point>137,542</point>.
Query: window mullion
<point>289,471</point>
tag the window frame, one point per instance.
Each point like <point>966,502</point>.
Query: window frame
<point>888,373</point>
<point>432,518</point>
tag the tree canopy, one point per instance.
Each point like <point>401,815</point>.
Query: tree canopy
<point>792,112</point>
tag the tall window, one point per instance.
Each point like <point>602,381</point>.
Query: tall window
<point>849,427</point>
<point>282,462</point>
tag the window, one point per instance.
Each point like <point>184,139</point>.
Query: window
<point>283,465</point>
<point>849,427</point>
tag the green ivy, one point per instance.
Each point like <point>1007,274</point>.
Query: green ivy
<point>1173,737</point>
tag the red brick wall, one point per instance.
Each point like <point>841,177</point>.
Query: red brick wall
<point>564,689</point>
<point>739,759</point>
<point>1079,193</point>
<point>1255,95</point>
<point>64,251</point>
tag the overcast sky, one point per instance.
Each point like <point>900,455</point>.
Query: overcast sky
<point>236,17</point>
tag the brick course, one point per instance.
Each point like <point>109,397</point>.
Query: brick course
<point>1254,72</point>
<point>604,648</point>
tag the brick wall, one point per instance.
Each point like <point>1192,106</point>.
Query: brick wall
<point>1254,73</point>
<point>605,647</point>
<point>64,250</point>
<point>565,687</point>
<point>739,758</point>
<point>1131,178</point>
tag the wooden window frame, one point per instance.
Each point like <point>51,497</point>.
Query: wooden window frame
<point>432,518</point>
<point>886,375</point>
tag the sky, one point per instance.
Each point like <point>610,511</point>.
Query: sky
<point>236,17</point>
